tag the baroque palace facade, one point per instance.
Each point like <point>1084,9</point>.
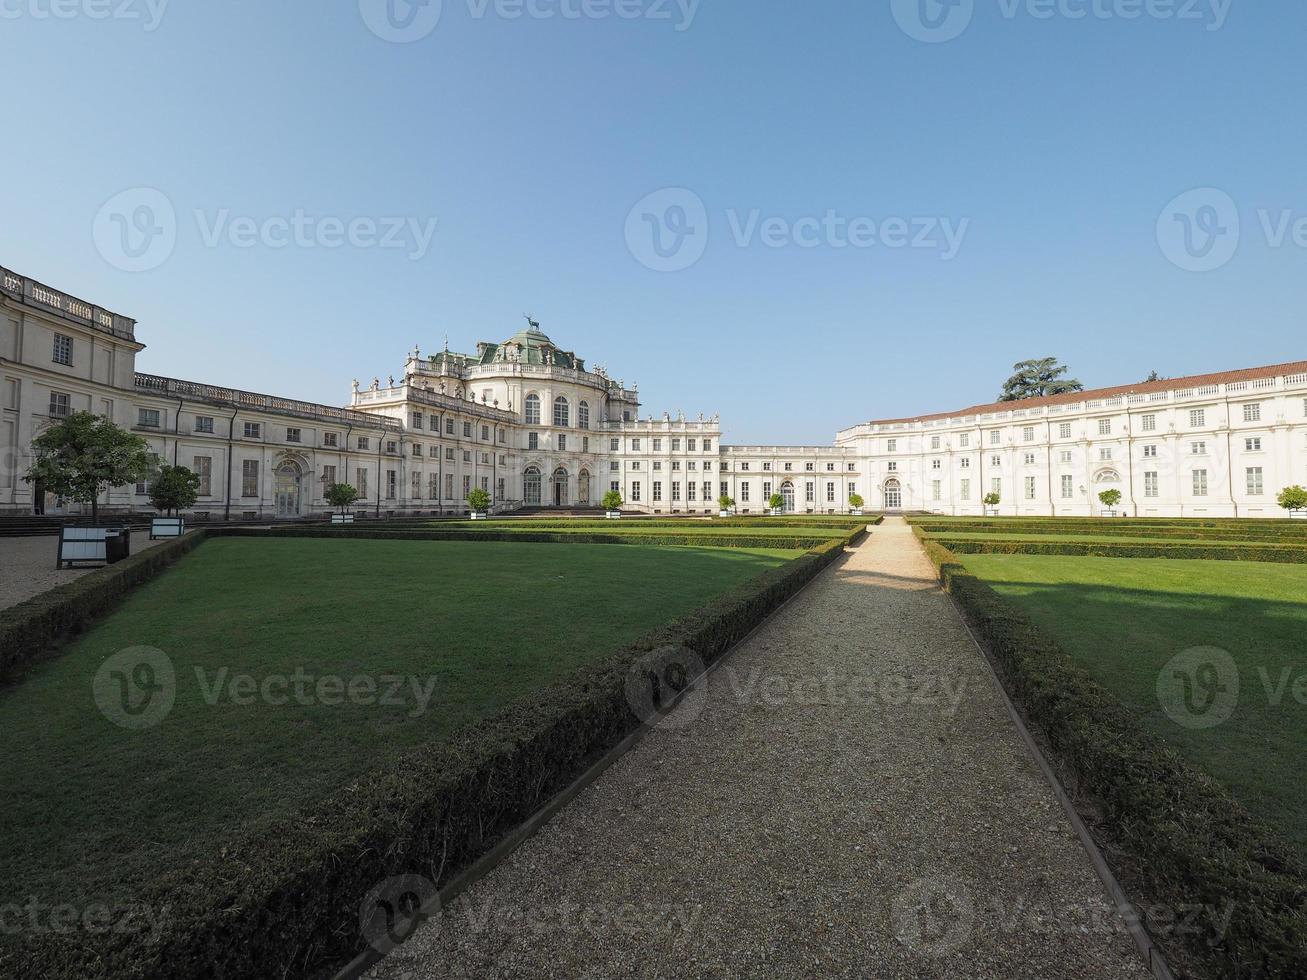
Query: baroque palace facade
<point>528,422</point>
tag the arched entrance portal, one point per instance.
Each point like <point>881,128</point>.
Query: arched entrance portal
<point>531,487</point>
<point>787,495</point>
<point>286,483</point>
<point>893,495</point>
<point>559,484</point>
<point>583,487</point>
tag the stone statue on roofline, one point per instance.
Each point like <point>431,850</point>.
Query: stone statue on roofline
<point>376,383</point>
<point>356,386</point>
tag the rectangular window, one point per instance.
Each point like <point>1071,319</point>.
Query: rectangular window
<point>467,485</point>
<point>1150,483</point>
<point>202,466</point>
<point>635,491</point>
<point>63,349</point>
<point>809,491</point>
<point>146,417</point>
<point>365,442</point>
<point>392,484</point>
<point>1064,456</point>
<point>415,420</point>
<point>996,485</point>
<point>995,435</point>
<point>965,462</point>
<point>292,435</point>
<point>657,445</point>
<point>676,445</point>
<point>1197,418</point>
<point>361,482</point>
<point>1068,487</point>
<point>415,486</point>
<point>1028,433</point>
<point>253,430</point>
<point>449,453</point>
<point>995,461</point>
<point>533,440</point>
<point>891,445</point>
<point>1148,423</point>
<point>328,476</point>
<point>1064,430</point>
<point>614,445</point>
<point>330,440</point>
<point>59,405</point>
<point>415,449</point>
<point>830,493</point>
<point>1030,459</point>
<point>1104,427</point>
<point>690,491</point>
<point>250,478</point>
<point>1030,488</point>
<point>936,490</point>
<point>204,423</point>
<point>485,433</point>
<point>689,445</point>
<point>499,489</point>
<point>676,491</point>
<point>1150,452</point>
<point>1198,448</point>
<point>1253,445</point>
<point>467,430</point>
<point>965,488</point>
<point>1105,453</point>
<point>449,486</point>
<point>658,491</point>
<point>1254,476</point>
<point>562,442</point>
<point>936,464</point>
<point>744,491</point>
<point>707,445</point>
<point>1200,483</point>
<point>433,486</point>
<point>934,442</point>
<point>964,440</point>
<point>1252,412</point>
<point>449,423</point>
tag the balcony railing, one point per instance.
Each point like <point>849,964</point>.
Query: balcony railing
<point>153,384</point>
<point>87,314</point>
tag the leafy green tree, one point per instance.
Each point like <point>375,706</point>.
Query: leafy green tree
<point>992,499</point>
<point>1110,498</point>
<point>1293,498</point>
<point>776,501</point>
<point>341,495</point>
<point>174,488</point>
<point>82,455</point>
<point>478,500</point>
<point>855,501</point>
<point>612,500</point>
<point>1036,378</point>
<point>725,502</point>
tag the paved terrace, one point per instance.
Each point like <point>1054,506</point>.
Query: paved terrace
<point>27,565</point>
<point>896,828</point>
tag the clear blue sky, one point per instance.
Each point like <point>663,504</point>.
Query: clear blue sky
<point>1058,140</point>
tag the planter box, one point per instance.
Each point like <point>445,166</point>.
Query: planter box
<point>723,513</point>
<point>613,515</point>
<point>991,511</point>
<point>1298,515</point>
<point>342,518</point>
<point>92,544</point>
<point>856,512</point>
<point>478,515</point>
<point>167,527</point>
<point>1109,513</point>
<point>776,512</point>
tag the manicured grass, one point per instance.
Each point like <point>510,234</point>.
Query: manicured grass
<point>1124,619</point>
<point>1143,537</point>
<point>93,810</point>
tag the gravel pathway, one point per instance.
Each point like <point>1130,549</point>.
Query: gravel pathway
<point>849,799</point>
<point>27,565</point>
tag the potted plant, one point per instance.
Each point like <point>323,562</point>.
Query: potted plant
<point>341,495</point>
<point>612,505</point>
<point>1294,500</point>
<point>1110,499</point>
<point>992,500</point>
<point>478,503</point>
<point>777,504</point>
<point>725,502</point>
<point>855,504</point>
<point>173,488</point>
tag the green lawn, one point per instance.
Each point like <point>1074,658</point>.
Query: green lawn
<point>92,809</point>
<point>1124,619</point>
<point>1142,538</point>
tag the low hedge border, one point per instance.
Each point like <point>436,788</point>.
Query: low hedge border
<point>285,901</point>
<point>1106,549</point>
<point>548,537</point>
<point>1116,531</point>
<point>1186,840</point>
<point>32,627</point>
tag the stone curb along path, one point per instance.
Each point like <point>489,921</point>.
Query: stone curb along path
<point>848,798</point>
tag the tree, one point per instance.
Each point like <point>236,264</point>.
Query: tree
<point>855,501</point>
<point>1034,379</point>
<point>612,500</point>
<point>1110,498</point>
<point>174,488</point>
<point>992,499</point>
<point>478,500</point>
<point>776,501</point>
<point>1293,498</point>
<point>725,502</point>
<point>340,495</point>
<point>83,455</point>
<point>1153,376</point>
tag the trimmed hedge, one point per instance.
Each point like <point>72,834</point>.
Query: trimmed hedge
<point>1116,530</point>
<point>551,537</point>
<point>1108,549</point>
<point>32,627</point>
<point>1186,840</point>
<point>285,901</point>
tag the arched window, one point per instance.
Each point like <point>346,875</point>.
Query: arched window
<point>583,415</point>
<point>560,412</point>
<point>531,486</point>
<point>532,409</point>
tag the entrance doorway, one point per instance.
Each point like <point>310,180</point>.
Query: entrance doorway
<point>286,489</point>
<point>559,483</point>
<point>531,487</point>
<point>893,495</point>
<point>787,495</point>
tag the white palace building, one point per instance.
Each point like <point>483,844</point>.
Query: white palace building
<point>531,424</point>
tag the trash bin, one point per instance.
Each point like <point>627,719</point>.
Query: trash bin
<point>117,544</point>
